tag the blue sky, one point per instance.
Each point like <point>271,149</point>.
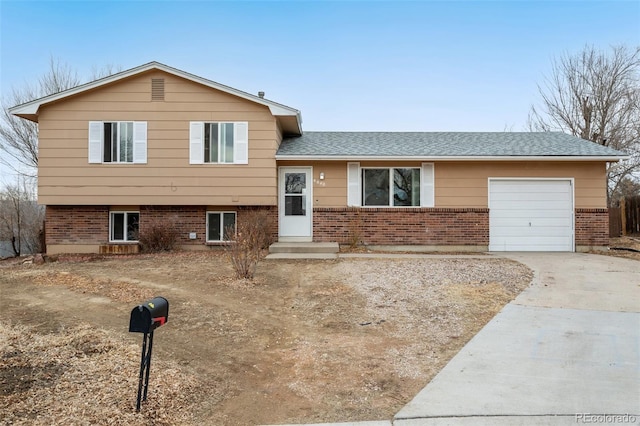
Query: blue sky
<point>347,65</point>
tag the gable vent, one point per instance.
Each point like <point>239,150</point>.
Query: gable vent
<point>157,89</point>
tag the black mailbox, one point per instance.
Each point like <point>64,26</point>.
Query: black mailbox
<point>150,315</point>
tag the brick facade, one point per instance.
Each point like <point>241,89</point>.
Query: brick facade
<point>89,225</point>
<point>411,226</point>
<point>77,224</point>
<point>592,227</point>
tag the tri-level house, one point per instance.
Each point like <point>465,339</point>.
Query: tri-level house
<point>156,143</point>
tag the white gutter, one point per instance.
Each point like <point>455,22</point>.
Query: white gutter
<point>445,158</point>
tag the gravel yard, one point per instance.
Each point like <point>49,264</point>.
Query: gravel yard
<point>306,341</point>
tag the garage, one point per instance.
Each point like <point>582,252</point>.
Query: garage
<point>531,215</point>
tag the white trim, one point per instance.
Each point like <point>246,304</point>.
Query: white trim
<point>391,187</point>
<point>96,134</point>
<point>140,142</point>
<point>310,183</point>
<point>427,185</point>
<point>111,212</point>
<point>354,191</point>
<point>565,179</point>
<point>446,158</point>
<point>196,142</point>
<point>222,212</point>
<point>241,142</point>
<point>32,107</point>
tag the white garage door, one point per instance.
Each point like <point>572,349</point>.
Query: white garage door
<point>530,215</point>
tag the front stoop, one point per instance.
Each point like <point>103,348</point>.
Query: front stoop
<point>281,250</point>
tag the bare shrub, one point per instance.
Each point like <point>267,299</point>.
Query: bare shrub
<point>247,242</point>
<point>356,230</point>
<point>157,235</point>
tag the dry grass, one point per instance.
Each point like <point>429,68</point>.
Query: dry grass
<point>618,246</point>
<point>83,375</point>
<point>304,342</point>
<point>119,291</point>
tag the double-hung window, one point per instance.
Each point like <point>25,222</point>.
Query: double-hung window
<point>390,186</point>
<point>124,226</point>
<point>221,226</point>
<point>218,142</point>
<point>117,142</point>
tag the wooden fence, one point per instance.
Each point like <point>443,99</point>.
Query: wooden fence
<point>632,215</point>
<point>615,222</point>
<point>625,220</point>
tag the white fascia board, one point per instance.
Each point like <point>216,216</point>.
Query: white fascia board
<point>33,106</point>
<point>445,158</point>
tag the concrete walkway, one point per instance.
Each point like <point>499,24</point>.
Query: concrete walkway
<point>566,351</point>
<point>567,348</point>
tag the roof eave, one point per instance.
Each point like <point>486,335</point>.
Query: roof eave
<point>446,158</point>
<point>29,110</point>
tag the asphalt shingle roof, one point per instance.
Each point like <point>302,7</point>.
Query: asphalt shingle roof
<point>441,144</point>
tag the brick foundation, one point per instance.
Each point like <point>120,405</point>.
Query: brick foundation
<point>89,225</point>
<point>592,227</point>
<point>77,225</point>
<point>411,226</point>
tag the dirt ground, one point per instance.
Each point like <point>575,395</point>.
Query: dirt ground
<point>306,341</point>
<point>620,247</point>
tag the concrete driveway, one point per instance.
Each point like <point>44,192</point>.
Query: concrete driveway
<point>566,351</point>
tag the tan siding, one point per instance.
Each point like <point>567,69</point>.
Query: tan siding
<point>64,157</point>
<point>152,172</point>
<point>465,184</point>
<point>452,191</point>
<point>165,189</point>
<point>161,200</point>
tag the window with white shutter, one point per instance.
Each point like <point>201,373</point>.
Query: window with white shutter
<point>117,142</point>
<point>218,142</point>
<point>390,186</point>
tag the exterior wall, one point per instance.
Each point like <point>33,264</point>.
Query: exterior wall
<point>76,225</point>
<point>465,184</point>
<point>85,229</point>
<point>460,216</point>
<point>65,176</point>
<point>408,226</point>
<point>592,228</point>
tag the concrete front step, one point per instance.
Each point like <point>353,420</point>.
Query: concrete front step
<point>302,256</point>
<point>304,248</point>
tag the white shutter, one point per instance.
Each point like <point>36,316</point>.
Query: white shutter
<point>353,184</point>
<point>427,186</point>
<point>95,141</point>
<point>196,146</point>
<point>140,142</point>
<point>241,143</point>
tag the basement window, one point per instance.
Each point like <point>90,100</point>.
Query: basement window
<point>124,226</point>
<point>221,226</point>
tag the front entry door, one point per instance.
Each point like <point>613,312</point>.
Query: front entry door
<point>295,203</point>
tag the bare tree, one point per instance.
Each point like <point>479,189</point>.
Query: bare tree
<point>595,95</point>
<point>21,218</point>
<point>19,137</point>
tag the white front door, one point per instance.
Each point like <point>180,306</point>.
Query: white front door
<point>294,203</point>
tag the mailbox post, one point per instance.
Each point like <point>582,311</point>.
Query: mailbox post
<point>145,318</point>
